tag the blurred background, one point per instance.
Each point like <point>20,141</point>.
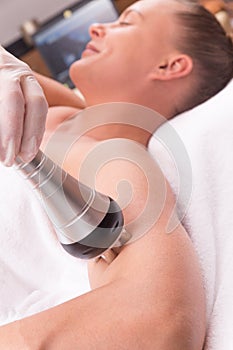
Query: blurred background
<point>16,12</point>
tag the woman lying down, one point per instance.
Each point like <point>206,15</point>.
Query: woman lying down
<point>162,57</point>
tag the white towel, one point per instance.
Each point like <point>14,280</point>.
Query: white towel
<point>205,182</point>
<point>35,271</point>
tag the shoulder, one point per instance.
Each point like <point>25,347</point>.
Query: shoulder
<point>58,114</point>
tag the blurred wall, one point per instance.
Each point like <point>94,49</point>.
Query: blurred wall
<point>14,12</point>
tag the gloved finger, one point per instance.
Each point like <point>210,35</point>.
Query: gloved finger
<point>36,109</point>
<point>11,119</point>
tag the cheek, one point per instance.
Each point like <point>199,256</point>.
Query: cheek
<point>134,56</point>
<point>121,63</point>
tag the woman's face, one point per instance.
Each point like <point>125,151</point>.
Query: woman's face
<point>120,56</point>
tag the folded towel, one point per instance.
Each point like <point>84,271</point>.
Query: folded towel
<point>195,152</point>
<point>35,271</point>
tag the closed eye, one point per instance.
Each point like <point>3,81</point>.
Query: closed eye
<point>123,23</point>
<point>129,17</point>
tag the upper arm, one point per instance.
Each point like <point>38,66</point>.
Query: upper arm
<point>160,268</point>
<point>58,95</point>
<point>156,277</point>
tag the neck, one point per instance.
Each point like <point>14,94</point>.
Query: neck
<point>123,120</point>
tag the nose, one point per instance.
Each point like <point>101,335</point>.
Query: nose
<point>97,30</point>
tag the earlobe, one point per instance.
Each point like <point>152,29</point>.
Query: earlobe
<point>176,67</point>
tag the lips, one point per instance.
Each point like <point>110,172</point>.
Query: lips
<point>90,50</point>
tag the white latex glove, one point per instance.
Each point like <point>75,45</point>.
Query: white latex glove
<point>23,110</point>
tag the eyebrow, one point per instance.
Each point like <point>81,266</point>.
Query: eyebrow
<point>126,12</point>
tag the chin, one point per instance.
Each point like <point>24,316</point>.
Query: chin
<point>72,71</point>
<point>79,70</point>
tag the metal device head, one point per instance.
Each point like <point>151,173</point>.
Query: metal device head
<point>87,222</point>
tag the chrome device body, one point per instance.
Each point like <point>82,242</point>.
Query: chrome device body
<point>87,222</point>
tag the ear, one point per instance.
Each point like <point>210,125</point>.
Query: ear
<point>175,67</point>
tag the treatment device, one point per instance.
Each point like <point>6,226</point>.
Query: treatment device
<point>87,222</point>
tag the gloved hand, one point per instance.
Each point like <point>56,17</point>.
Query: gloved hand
<point>23,110</point>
